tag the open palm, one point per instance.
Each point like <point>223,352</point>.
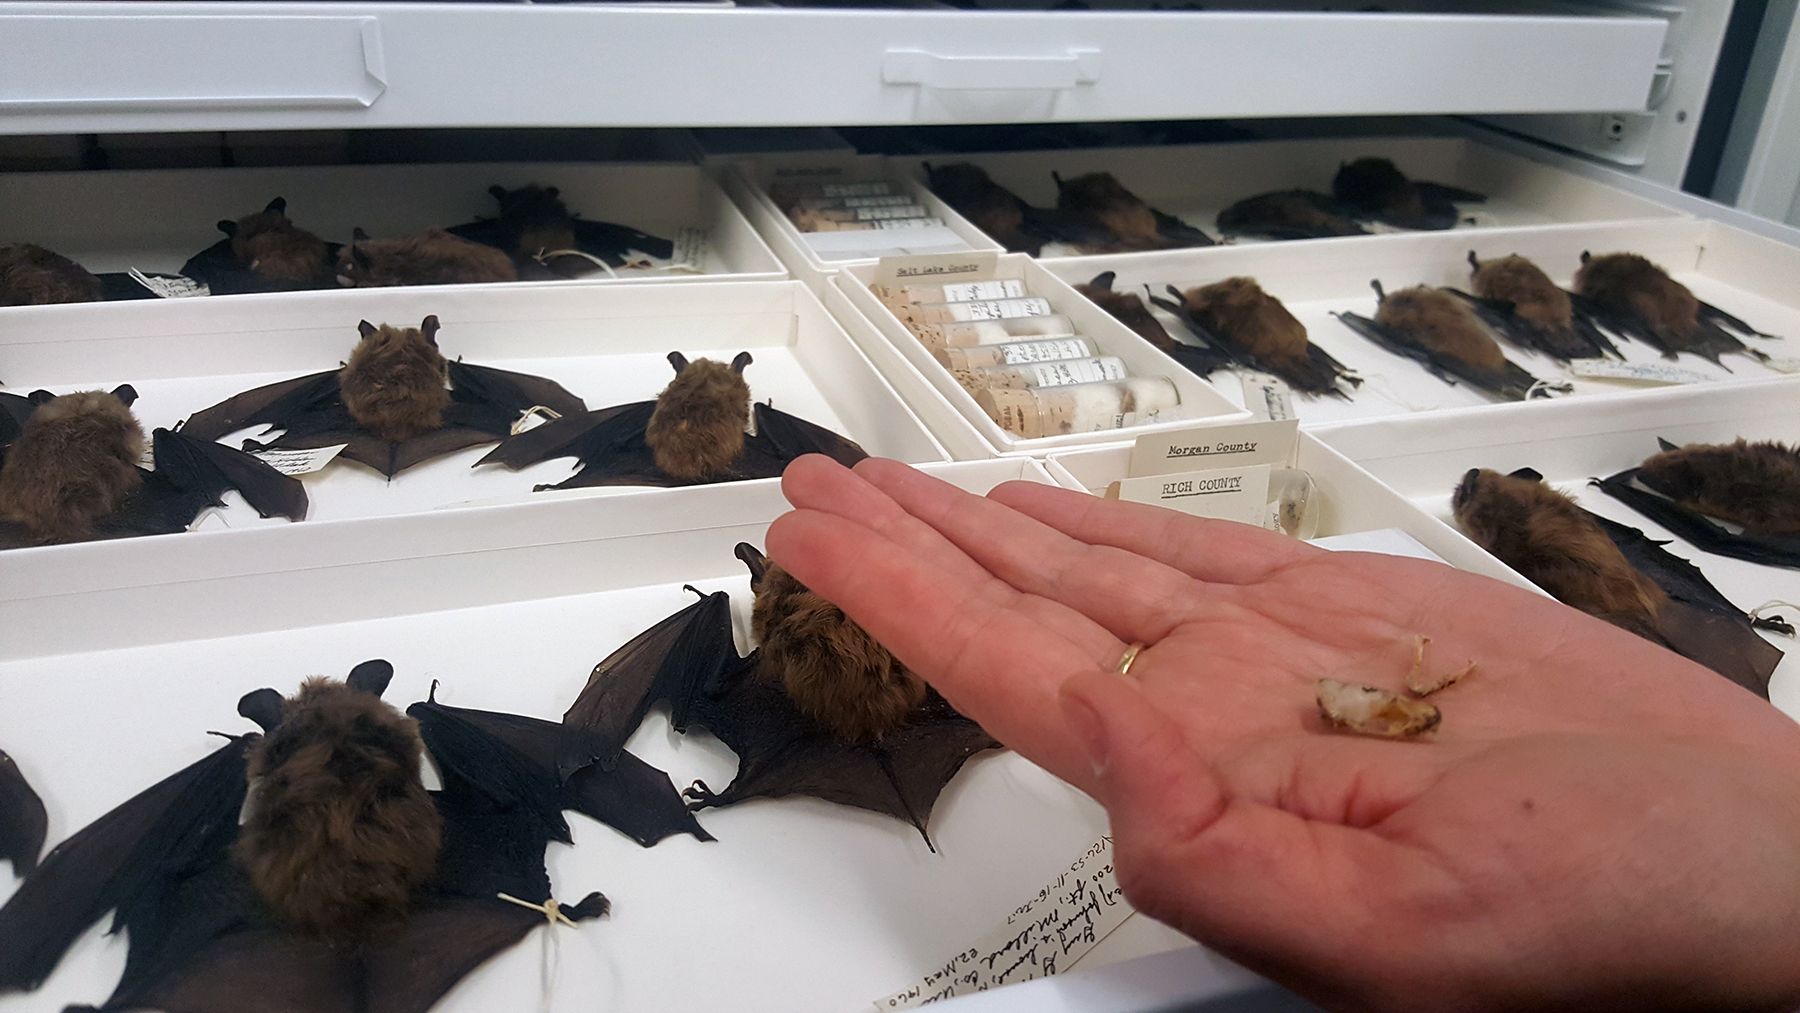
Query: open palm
<point>1596,823</point>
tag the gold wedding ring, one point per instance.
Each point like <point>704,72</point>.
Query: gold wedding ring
<point>1131,653</point>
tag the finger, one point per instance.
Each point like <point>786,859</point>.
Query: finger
<point>1136,598</point>
<point>819,483</point>
<point>993,664</point>
<point>1221,552</point>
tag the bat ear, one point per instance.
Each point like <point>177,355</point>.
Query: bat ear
<point>498,192</point>
<point>366,329</point>
<point>126,393</point>
<point>356,252</point>
<point>262,706</point>
<point>429,328</point>
<point>228,226</point>
<point>1529,474</point>
<point>40,397</point>
<point>1060,185</point>
<point>1104,282</point>
<point>552,191</point>
<point>1474,263</point>
<point>371,676</point>
<point>1665,445</point>
<point>357,235</point>
<point>755,560</point>
<point>678,360</point>
<point>278,205</point>
<point>1586,256</point>
<point>1466,488</point>
<point>743,359</point>
<point>1375,283</point>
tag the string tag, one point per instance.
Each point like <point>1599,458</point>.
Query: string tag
<point>533,417</point>
<point>551,910</point>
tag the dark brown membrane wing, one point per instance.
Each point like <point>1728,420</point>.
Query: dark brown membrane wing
<point>270,492</point>
<point>271,405</point>
<point>515,391</point>
<point>23,821</point>
<point>420,449</point>
<point>1701,532</point>
<point>584,436</point>
<point>1727,646</point>
<point>792,436</point>
<point>679,659</point>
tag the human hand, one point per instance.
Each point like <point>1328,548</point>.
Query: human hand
<point>1597,822</point>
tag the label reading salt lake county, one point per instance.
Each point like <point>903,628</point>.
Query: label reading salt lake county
<point>1044,351</point>
<point>1226,494</point>
<point>299,462</point>
<point>1045,935</point>
<point>1246,443</point>
<point>1063,373</point>
<point>896,211</point>
<point>998,309</point>
<point>169,288</point>
<point>1635,372</point>
<point>1267,397</point>
<point>970,291</point>
<point>966,265</point>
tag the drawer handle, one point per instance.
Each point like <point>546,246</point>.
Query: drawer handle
<point>969,73</point>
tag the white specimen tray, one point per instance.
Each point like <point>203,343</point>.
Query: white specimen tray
<point>1350,500</point>
<point>1743,274</point>
<point>799,905</point>
<point>951,412</point>
<point>607,345</point>
<point>814,257</point>
<point>1196,182</point>
<point>1423,459</point>
<point>155,219</point>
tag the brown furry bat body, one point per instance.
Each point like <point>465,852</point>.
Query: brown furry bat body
<point>33,276</point>
<point>994,209</point>
<point>533,220</point>
<point>1286,214</point>
<point>1240,312</point>
<point>1628,283</point>
<point>1099,202</point>
<point>698,425</point>
<point>340,829</point>
<point>1442,323</point>
<point>431,257</point>
<point>1378,184</point>
<point>395,382</point>
<point>1127,308</point>
<point>1753,485</point>
<point>1549,540</point>
<point>1518,281</point>
<point>74,463</point>
<point>830,667</point>
<point>270,245</point>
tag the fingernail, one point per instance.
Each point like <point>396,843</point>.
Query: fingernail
<point>1088,729</point>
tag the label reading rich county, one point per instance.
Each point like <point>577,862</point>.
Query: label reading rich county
<point>1227,494</point>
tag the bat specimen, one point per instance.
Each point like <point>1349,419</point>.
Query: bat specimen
<point>1375,187</point>
<point>1238,316</point>
<point>1519,301</point>
<point>33,276</point>
<point>1003,215</point>
<point>23,821</point>
<point>1689,490</point>
<point>71,472</point>
<point>535,226</point>
<point>386,919</point>
<point>1098,202</point>
<point>264,252</point>
<point>694,432</point>
<point>1289,214</point>
<point>1636,298</point>
<point>389,403</point>
<point>691,661</point>
<point>431,257</point>
<point>1441,333</point>
<point>1128,309</point>
<point>1612,572</point>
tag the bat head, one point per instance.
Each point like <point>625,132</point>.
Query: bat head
<point>697,427</point>
<point>73,463</point>
<point>394,384</point>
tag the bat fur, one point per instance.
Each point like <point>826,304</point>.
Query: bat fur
<point>270,245</point>
<point>1628,284</point>
<point>830,667</point>
<point>395,384</point>
<point>1100,201</point>
<point>1127,308</point>
<point>340,829</point>
<point>1286,214</point>
<point>431,257</point>
<point>1541,533</point>
<point>1534,296</point>
<point>533,220</point>
<point>1753,485</point>
<point>74,463</point>
<point>697,427</point>
<point>33,276</point>
<point>1376,184</point>
<point>1440,322</point>
<point>1239,312</point>
<point>994,209</point>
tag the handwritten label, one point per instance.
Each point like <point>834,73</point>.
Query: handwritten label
<point>166,287</point>
<point>1043,936</point>
<point>970,291</point>
<point>965,266</point>
<point>1635,372</point>
<point>1226,494</point>
<point>299,462</point>
<point>1267,397</point>
<point>1214,447</point>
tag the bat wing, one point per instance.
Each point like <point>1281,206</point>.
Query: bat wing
<point>609,241</point>
<point>1717,316</point>
<point>485,231</point>
<point>1177,231</point>
<point>515,392</point>
<point>276,404</point>
<point>789,436</point>
<point>680,659</point>
<point>1440,193</point>
<point>394,458</point>
<point>633,798</point>
<point>1701,532</point>
<point>15,411</point>
<point>1512,382</point>
<point>23,821</point>
<point>781,752</point>
<point>206,468</point>
<point>582,435</point>
<point>130,861</point>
